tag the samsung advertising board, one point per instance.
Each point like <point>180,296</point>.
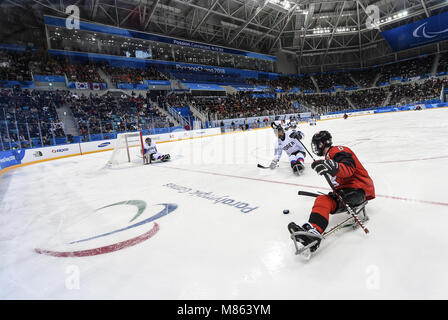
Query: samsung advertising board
<point>429,30</point>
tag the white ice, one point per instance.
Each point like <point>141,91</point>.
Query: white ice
<point>208,250</point>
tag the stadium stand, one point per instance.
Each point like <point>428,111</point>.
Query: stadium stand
<point>369,98</point>
<point>330,80</point>
<point>406,69</point>
<point>29,117</point>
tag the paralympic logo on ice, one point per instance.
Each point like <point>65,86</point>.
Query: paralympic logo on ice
<point>141,206</point>
<point>226,200</point>
<point>426,34</point>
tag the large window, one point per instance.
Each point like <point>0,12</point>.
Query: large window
<point>96,42</point>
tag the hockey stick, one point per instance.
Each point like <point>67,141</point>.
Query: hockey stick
<point>263,167</point>
<point>349,209</point>
<point>309,194</point>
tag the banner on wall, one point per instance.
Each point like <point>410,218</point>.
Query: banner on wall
<point>305,115</point>
<point>10,158</point>
<point>140,86</point>
<point>249,88</point>
<point>429,30</point>
<point>203,86</point>
<point>263,95</point>
<point>200,68</point>
<point>158,82</point>
<point>15,83</point>
<point>46,78</point>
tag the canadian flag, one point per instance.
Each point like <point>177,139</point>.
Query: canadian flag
<point>82,85</point>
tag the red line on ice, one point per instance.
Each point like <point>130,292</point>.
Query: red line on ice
<point>410,160</point>
<point>304,185</point>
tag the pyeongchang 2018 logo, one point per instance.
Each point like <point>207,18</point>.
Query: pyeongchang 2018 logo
<point>421,31</point>
<point>166,208</point>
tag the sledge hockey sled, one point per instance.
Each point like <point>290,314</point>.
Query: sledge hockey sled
<point>360,213</point>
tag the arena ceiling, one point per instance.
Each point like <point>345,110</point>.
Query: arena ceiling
<point>306,29</point>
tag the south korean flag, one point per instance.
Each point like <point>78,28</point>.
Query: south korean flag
<point>82,85</point>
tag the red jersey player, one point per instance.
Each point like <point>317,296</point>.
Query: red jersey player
<point>349,178</point>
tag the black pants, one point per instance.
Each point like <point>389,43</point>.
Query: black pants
<point>352,197</point>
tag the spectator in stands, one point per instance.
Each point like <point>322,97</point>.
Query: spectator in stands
<point>370,98</point>
<point>133,75</point>
<point>416,92</point>
<point>365,77</point>
<point>329,80</point>
<point>406,69</point>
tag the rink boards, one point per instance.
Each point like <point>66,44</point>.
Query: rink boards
<point>11,159</point>
<point>15,158</point>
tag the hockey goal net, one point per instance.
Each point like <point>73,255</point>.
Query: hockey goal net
<point>128,148</point>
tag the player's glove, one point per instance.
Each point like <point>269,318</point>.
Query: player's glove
<point>295,135</point>
<point>325,166</point>
<point>273,164</point>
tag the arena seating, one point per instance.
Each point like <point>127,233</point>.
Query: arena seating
<point>365,77</point>
<point>133,75</point>
<point>329,80</point>
<point>14,66</point>
<point>238,105</point>
<point>416,92</point>
<point>325,102</point>
<point>29,117</point>
<point>369,98</point>
<point>106,114</point>
<point>443,63</point>
<point>406,69</point>
<point>287,82</point>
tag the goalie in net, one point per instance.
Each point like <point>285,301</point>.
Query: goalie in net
<point>151,154</point>
<point>131,148</point>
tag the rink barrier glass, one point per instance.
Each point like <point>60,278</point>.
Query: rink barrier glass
<point>11,159</point>
<point>14,158</point>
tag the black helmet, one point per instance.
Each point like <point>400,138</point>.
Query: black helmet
<point>321,140</point>
<point>276,125</point>
<point>148,139</point>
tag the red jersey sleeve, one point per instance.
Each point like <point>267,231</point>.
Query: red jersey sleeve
<point>351,172</point>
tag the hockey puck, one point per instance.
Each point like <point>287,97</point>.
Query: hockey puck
<point>286,211</point>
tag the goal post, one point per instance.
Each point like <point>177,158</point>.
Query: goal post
<point>128,148</point>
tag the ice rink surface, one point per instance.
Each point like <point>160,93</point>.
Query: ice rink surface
<point>210,224</point>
